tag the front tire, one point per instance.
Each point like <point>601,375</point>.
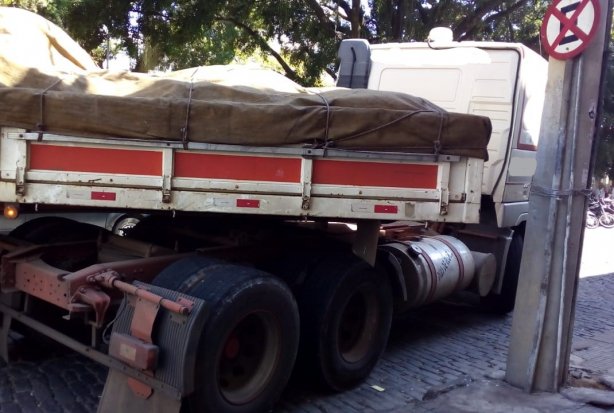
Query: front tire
<point>249,343</point>
<point>504,302</point>
<point>346,313</point>
<point>591,221</point>
<point>606,220</point>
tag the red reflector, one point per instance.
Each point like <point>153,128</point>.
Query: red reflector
<point>248,203</point>
<point>104,196</point>
<point>386,209</point>
<point>133,351</point>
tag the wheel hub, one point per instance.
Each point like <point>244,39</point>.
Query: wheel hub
<point>249,357</point>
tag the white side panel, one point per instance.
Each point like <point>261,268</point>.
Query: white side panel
<point>463,79</point>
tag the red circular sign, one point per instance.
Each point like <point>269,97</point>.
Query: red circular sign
<point>569,26</point>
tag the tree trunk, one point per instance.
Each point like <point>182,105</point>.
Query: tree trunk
<point>356,19</point>
<point>398,20</point>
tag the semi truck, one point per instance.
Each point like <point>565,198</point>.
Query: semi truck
<point>254,257</point>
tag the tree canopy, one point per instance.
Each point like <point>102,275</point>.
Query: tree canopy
<point>604,158</point>
<point>301,37</point>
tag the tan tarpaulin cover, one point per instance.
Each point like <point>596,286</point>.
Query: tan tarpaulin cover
<point>47,82</point>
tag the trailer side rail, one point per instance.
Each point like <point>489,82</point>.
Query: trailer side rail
<point>114,173</point>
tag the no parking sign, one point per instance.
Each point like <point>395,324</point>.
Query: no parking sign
<point>569,26</point>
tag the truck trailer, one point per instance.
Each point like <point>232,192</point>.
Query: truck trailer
<point>280,228</point>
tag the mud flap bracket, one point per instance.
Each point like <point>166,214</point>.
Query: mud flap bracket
<point>175,337</point>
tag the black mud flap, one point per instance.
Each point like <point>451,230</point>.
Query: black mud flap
<point>174,338</point>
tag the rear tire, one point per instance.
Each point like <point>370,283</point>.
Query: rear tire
<point>504,302</point>
<point>249,343</point>
<point>346,312</point>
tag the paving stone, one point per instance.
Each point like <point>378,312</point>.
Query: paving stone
<point>10,408</point>
<point>6,398</point>
<point>26,401</point>
<point>597,397</point>
<point>21,385</point>
<point>52,407</point>
<point>607,380</point>
<point>437,391</point>
<point>63,395</point>
<point>42,391</point>
<point>496,374</point>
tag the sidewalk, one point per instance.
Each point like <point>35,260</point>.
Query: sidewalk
<point>496,396</point>
<point>590,387</point>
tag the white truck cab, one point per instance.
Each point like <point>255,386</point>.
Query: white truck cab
<point>504,81</point>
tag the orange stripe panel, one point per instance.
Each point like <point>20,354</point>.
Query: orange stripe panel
<point>387,175</point>
<point>242,168</point>
<point>79,159</point>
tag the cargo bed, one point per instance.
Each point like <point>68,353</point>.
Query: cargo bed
<point>281,181</point>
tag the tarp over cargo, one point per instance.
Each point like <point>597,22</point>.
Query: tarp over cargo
<point>47,82</point>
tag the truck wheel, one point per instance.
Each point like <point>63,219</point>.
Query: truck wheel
<point>249,343</point>
<point>182,275</point>
<point>346,312</point>
<point>606,220</point>
<point>55,229</point>
<point>51,230</point>
<point>504,302</point>
<point>125,223</point>
<point>591,221</point>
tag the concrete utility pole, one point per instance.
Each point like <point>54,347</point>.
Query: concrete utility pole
<point>538,358</point>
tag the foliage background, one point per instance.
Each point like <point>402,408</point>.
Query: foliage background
<point>300,37</point>
<point>604,157</point>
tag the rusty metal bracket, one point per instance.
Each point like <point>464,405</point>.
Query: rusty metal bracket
<point>166,189</point>
<point>8,264</point>
<point>96,299</point>
<point>20,181</point>
<point>143,320</point>
<point>112,279</point>
<point>306,178</point>
<point>145,313</point>
<point>365,242</point>
<point>444,201</point>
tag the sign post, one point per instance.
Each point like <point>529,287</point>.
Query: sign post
<point>542,326</point>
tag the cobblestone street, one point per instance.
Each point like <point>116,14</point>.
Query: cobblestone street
<point>440,345</point>
<point>446,345</point>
